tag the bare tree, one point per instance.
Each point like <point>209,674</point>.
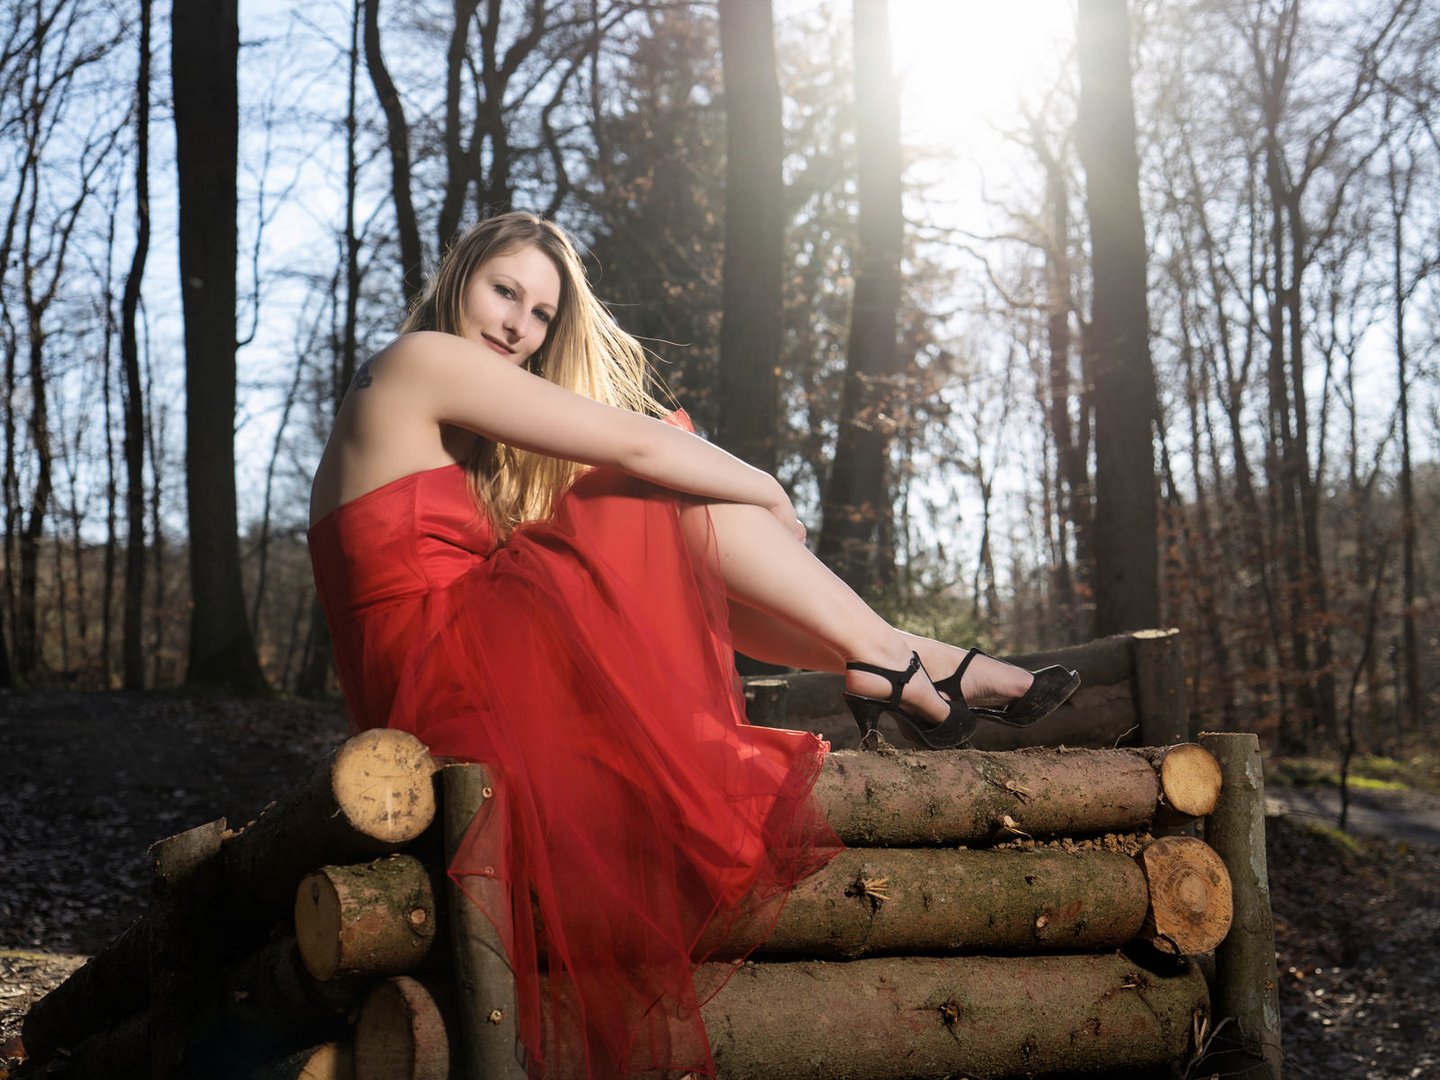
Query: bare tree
<point>412,260</point>
<point>204,53</point>
<point>133,664</point>
<point>857,518</point>
<point>1127,595</point>
<point>754,233</point>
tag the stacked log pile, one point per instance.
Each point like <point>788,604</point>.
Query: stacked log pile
<point>997,914</point>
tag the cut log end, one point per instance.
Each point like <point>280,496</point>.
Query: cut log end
<point>1189,779</point>
<point>377,918</point>
<point>332,1061</point>
<point>400,1034</point>
<point>317,925</point>
<point>382,784</point>
<point>1190,897</point>
<point>328,1061</point>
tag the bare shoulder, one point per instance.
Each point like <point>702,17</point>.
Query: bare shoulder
<point>408,357</point>
<point>386,427</point>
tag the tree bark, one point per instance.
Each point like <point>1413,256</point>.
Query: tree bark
<point>119,1051</point>
<point>939,1017</point>
<point>909,901</point>
<point>1126,518</point>
<point>205,46</point>
<point>754,234</point>
<point>488,1028</point>
<point>270,999</point>
<point>110,986</point>
<point>857,510</point>
<point>1160,688</point>
<point>1246,981</point>
<point>183,944</point>
<point>966,796</point>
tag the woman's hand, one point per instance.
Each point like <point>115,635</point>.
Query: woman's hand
<point>784,511</point>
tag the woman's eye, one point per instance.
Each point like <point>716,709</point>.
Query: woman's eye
<point>542,316</point>
<point>505,291</point>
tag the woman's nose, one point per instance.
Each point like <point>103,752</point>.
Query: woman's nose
<point>516,324</point>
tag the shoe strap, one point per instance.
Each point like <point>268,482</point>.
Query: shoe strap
<point>960,671</point>
<point>897,679</point>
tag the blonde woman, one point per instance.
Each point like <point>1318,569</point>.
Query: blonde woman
<point>527,560</point>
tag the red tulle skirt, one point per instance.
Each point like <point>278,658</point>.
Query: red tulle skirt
<point>588,664</point>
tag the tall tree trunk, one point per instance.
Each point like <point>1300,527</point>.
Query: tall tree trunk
<point>457,160</point>
<point>10,483</point>
<point>27,645</point>
<point>1316,598</point>
<point>153,442</point>
<point>857,507</point>
<point>1127,593</point>
<point>133,662</point>
<point>412,259</point>
<point>1072,454</point>
<point>112,482</point>
<point>1282,463</point>
<point>314,669</point>
<point>1409,706</point>
<point>204,53</point>
<point>754,233</point>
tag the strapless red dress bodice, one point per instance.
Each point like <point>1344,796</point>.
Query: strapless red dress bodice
<point>587,662</point>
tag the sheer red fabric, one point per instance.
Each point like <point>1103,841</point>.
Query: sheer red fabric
<point>587,662</point>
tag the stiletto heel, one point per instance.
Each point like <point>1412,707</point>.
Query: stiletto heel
<point>1050,688</point>
<point>955,730</point>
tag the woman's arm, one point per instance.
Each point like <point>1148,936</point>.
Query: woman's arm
<point>458,382</point>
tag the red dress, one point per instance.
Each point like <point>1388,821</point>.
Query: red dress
<point>587,662</point>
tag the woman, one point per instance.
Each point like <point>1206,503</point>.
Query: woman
<point>524,567</point>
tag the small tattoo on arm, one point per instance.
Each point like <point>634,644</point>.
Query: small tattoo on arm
<point>362,377</point>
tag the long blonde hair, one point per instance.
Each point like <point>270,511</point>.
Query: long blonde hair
<point>584,351</point>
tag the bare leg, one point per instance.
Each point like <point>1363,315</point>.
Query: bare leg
<point>775,641</point>
<point>766,570</point>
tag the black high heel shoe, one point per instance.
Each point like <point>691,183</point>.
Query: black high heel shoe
<point>955,730</point>
<point>1051,687</point>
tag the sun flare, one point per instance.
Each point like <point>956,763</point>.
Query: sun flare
<point>965,65</point>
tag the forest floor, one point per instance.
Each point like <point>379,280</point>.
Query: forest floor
<point>88,781</point>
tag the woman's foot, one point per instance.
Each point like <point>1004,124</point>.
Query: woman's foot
<point>919,696</point>
<point>912,700</point>
<point>987,681</point>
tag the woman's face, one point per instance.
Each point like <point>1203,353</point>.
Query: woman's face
<point>510,302</point>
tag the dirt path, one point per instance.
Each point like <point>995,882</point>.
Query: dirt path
<point>1409,816</point>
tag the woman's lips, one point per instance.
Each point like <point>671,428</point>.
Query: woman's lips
<point>498,346</point>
